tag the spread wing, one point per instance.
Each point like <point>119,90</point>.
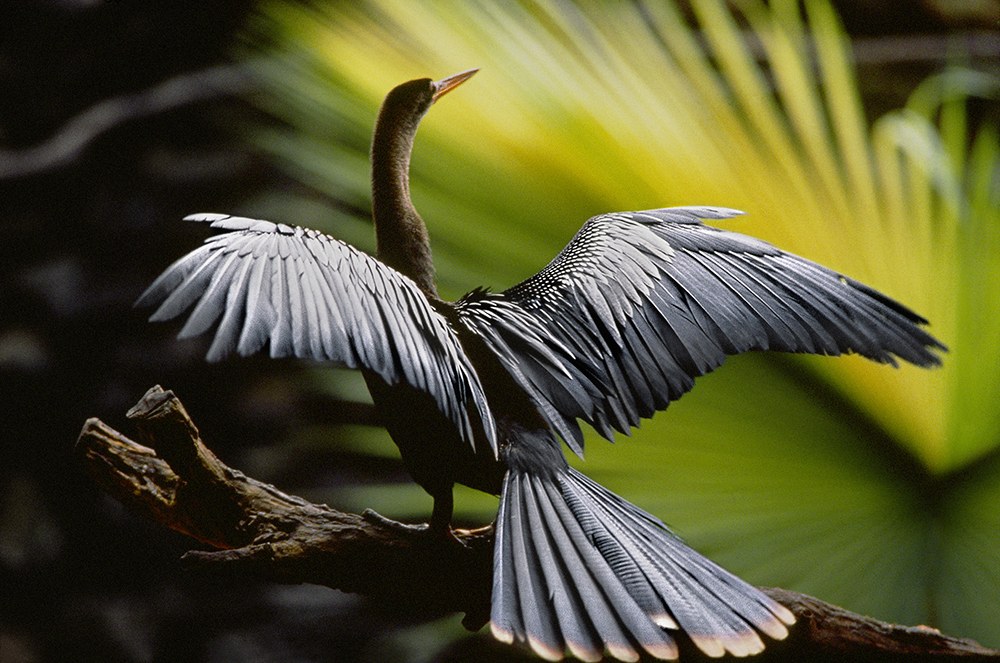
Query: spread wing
<point>638,304</point>
<point>311,296</point>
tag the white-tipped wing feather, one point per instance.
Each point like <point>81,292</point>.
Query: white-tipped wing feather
<point>311,296</point>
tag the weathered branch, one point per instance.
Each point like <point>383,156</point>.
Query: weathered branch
<point>255,529</point>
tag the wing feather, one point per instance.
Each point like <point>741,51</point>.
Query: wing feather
<point>260,313</point>
<point>314,297</point>
<point>639,304</point>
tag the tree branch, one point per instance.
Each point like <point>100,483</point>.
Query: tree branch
<point>78,132</point>
<point>256,530</point>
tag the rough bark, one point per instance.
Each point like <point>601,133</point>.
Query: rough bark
<point>254,529</point>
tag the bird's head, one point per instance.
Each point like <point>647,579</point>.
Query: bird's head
<point>414,98</point>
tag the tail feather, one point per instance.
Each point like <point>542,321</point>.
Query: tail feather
<point>578,568</point>
<point>506,614</point>
<point>540,622</point>
<point>615,619</point>
<point>728,598</point>
<point>574,622</point>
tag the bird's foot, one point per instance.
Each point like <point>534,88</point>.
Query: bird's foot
<point>425,530</point>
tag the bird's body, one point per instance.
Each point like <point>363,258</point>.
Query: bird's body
<point>481,391</point>
<point>411,419</point>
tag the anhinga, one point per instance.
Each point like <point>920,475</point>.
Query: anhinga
<point>480,391</point>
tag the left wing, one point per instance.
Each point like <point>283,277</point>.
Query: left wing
<point>308,295</point>
<point>638,304</point>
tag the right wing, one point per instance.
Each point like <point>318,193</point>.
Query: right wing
<point>639,304</point>
<point>314,297</point>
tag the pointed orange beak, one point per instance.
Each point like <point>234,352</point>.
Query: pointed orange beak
<point>446,85</point>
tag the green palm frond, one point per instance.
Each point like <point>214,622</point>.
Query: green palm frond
<point>872,487</point>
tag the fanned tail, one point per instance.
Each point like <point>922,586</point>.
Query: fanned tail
<point>578,569</point>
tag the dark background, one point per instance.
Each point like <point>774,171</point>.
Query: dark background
<point>86,228</point>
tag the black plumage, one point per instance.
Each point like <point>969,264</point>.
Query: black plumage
<point>480,391</point>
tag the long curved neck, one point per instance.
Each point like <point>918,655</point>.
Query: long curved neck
<point>400,233</point>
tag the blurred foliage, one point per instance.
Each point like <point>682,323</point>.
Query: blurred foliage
<point>90,231</point>
<point>875,488</point>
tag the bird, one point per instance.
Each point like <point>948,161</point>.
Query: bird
<point>483,391</point>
